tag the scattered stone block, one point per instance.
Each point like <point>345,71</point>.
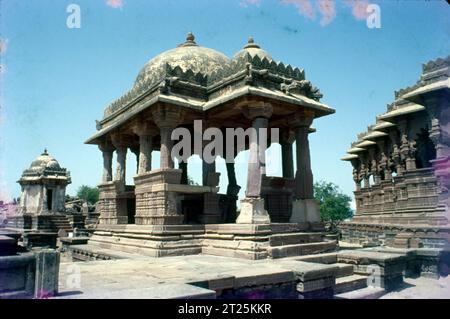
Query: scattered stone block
<point>385,270</point>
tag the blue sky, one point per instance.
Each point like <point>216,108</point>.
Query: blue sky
<point>56,81</point>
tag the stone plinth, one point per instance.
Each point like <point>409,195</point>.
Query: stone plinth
<point>385,270</point>
<point>253,212</point>
<point>277,193</point>
<point>112,209</point>
<point>155,203</point>
<point>39,239</point>
<point>305,210</point>
<point>248,241</point>
<point>29,275</point>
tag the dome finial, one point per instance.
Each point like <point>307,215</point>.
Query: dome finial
<point>190,37</point>
<point>45,152</point>
<point>251,43</point>
<point>189,40</point>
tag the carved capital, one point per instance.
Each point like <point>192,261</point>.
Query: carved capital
<point>301,119</point>
<point>145,128</point>
<point>254,109</point>
<point>166,116</point>
<point>121,140</point>
<point>106,146</point>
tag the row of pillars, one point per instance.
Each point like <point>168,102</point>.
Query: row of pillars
<point>259,114</point>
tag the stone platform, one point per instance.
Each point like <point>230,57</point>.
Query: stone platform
<point>248,241</point>
<point>197,276</point>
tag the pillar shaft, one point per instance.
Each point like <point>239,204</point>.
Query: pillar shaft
<point>145,153</point>
<point>287,160</point>
<point>256,164</point>
<point>107,166</point>
<point>184,175</point>
<point>206,169</point>
<point>303,177</point>
<point>121,164</point>
<point>166,148</point>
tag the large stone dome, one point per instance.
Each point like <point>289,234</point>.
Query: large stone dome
<point>44,161</point>
<point>187,56</point>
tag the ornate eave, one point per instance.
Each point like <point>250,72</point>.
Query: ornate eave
<point>401,111</point>
<point>433,81</point>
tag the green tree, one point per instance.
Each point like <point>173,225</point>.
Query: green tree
<point>88,194</point>
<point>334,205</point>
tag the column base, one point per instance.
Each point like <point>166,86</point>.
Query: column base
<point>253,212</point>
<point>305,210</point>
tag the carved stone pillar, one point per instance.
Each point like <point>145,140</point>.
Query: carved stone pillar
<point>396,156</point>
<point>107,152</point>
<point>184,172</point>
<point>384,165</point>
<point>252,207</point>
<point>364,171</point>
<point>135,151</point>
<point>374,166</point>
<point>304,206</point>
<point>121,150</point>
<point>146,132</point>
<point>287,138</point>
<point>208,169</point>
<point>407,147</point>
<point>167,118</point>
<point>438,109</point>
<point>356,174</point>
<point>209,175</point>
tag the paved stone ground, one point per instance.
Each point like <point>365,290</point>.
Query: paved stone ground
<point>159,277</point>
<point>422,288</point>
<point>146,277</point>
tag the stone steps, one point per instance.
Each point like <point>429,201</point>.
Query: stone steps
<point>350,283</point>
<point>301,249</point>
<point>364,293</point>
<point>344,270</point>
<point>61,222</point>
<point>295,238</point>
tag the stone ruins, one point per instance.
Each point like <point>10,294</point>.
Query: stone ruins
<point>401,168</point>
<point>275,245</point>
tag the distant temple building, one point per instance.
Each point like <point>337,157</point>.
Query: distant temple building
<point>401,167</point>
<point>42,202</point>
<point>161,214</point>
<point>43,186</point>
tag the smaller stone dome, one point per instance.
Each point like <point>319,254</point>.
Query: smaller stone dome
<point>44,161</point>
<point>254,50</point>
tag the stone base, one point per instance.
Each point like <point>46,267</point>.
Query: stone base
<point>39,239</point>
<point>395,235</point>
<point>112,210</point>
<point>385,270</point>
<point>253,212</point>
<point>305,210</point>
<point>29,275</point>
<point>247,241</point>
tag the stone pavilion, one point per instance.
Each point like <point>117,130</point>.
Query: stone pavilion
<point>42,201</point>
<point>161,214</point>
